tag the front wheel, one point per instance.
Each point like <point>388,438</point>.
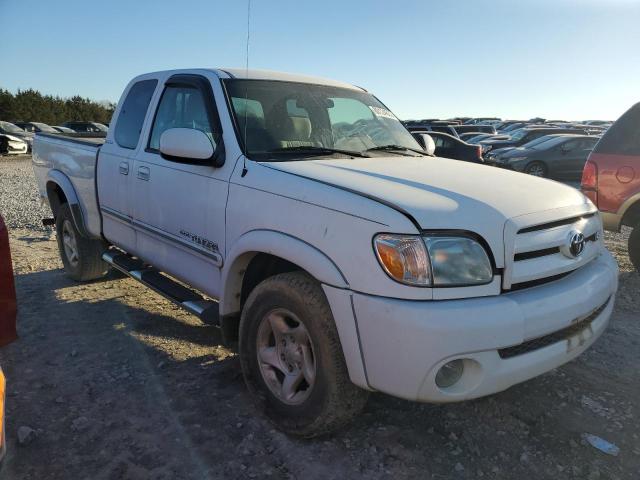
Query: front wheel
<point>634,247</point>
<point>81,256</point>
<point>537,169</point>
<point>292,359</point>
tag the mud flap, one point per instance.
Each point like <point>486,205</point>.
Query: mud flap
<point>8,304</point>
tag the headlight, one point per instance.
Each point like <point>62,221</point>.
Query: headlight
<point>404,258</point>
<point>458,261</point>
<point>433,261</point>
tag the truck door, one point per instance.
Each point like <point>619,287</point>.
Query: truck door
<point>114,166</point>
<point>179,206</point>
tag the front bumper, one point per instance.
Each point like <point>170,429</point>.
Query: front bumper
<point>404,343</point>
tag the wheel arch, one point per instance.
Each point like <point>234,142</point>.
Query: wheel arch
<point>60,190</point>
<point>630,211</point>
<point>261,253</point>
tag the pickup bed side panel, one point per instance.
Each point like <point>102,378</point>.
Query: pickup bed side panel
<point>55,159</point>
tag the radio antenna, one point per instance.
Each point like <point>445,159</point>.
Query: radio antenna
<point>246,93</point>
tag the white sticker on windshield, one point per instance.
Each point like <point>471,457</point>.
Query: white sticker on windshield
<point>382,112</point>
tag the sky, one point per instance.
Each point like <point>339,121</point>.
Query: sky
<point>556,59</point>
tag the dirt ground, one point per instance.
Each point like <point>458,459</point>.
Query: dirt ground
<point>117,383</point>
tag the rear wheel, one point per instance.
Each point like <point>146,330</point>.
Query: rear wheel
<point>634,247</point>
<point>537,169</point>
<point>292,359</point>
<point>81,257</point>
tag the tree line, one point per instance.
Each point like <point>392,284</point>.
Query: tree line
<point>32,106</point>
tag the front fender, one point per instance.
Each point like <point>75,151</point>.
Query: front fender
<point>55,178</point>
<point>314,262</point>
<point>279,244</point>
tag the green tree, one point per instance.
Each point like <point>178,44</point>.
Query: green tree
<point>31,106</point>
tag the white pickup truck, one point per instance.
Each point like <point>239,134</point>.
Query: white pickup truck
<point>301,217</point>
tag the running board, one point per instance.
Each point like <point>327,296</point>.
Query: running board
<point>190,300</point>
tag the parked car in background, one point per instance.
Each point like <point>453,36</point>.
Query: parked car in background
<point>482,120</point>
<point>35,127</point>
<point>432,127</point>
<point>506,123</point>
<point>525,135</point>
<point>511,127</point>
<point>611,178</point>
<point>559,157</point>
<point>448,146</point>
<point>474,128</point>
<point>8,315</point>
<point>10,145</point>
<point>63,129</point>
<point>86,127</point>
<point>8,128</point>
<point>467,136</point>
<point>486,136</point>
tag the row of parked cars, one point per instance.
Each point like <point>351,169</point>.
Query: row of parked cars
<point>17,137</point>
<point>545,148</point>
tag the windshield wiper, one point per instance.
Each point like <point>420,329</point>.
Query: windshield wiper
<point>313,150</point>
<point>395,147</point>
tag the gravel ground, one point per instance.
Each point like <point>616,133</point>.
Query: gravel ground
<point>110,381</point>
<point>19,199</point>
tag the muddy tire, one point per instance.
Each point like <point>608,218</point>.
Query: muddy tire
<point>292,359</point>
<point>81,257</point>
<point>634,247</point>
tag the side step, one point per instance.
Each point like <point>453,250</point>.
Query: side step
<point>190,300</point>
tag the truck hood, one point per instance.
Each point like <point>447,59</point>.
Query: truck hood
<point>441,193</point>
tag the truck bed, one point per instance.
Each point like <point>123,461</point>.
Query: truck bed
<point>71,157</point>
<point>80,138</point>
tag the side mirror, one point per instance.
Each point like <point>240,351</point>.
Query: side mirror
<point>429,145</point>
<point>186,144</point>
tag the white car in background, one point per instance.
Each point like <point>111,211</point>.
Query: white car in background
<point>10,145</point>
<point>8,128</point>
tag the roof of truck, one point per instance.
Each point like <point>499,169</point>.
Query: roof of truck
<point>282,76</point>
<point>257,75</point>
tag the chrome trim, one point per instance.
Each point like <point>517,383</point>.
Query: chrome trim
<point>216,257</point>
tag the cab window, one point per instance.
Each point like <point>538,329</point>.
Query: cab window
<point>180,107</point>
<point>132,113</point>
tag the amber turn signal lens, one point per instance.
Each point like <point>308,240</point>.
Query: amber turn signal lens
<point>404,258</point>
<point>391,260</point>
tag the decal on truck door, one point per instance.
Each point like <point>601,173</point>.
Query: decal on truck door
<point>202,242</point>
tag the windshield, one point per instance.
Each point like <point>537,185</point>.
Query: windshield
<point>10,128</point>
<point>277,117</point>
<point>44,127</point>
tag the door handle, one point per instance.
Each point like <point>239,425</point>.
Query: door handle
<point>144,173</point>
<point>124,168</point>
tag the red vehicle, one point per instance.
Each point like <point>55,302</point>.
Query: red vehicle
<point>611,178</point>
<point>8,312</point>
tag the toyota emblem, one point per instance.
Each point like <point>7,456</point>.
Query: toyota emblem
<point>576,244</point>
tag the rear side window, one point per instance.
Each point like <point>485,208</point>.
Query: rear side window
<point>132,113</point>
<point>623,137</point>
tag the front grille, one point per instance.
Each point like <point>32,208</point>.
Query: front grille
<point>536,252</point>
<point>547,251</point>
<point>557,223</point>
<point>580,325</point>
